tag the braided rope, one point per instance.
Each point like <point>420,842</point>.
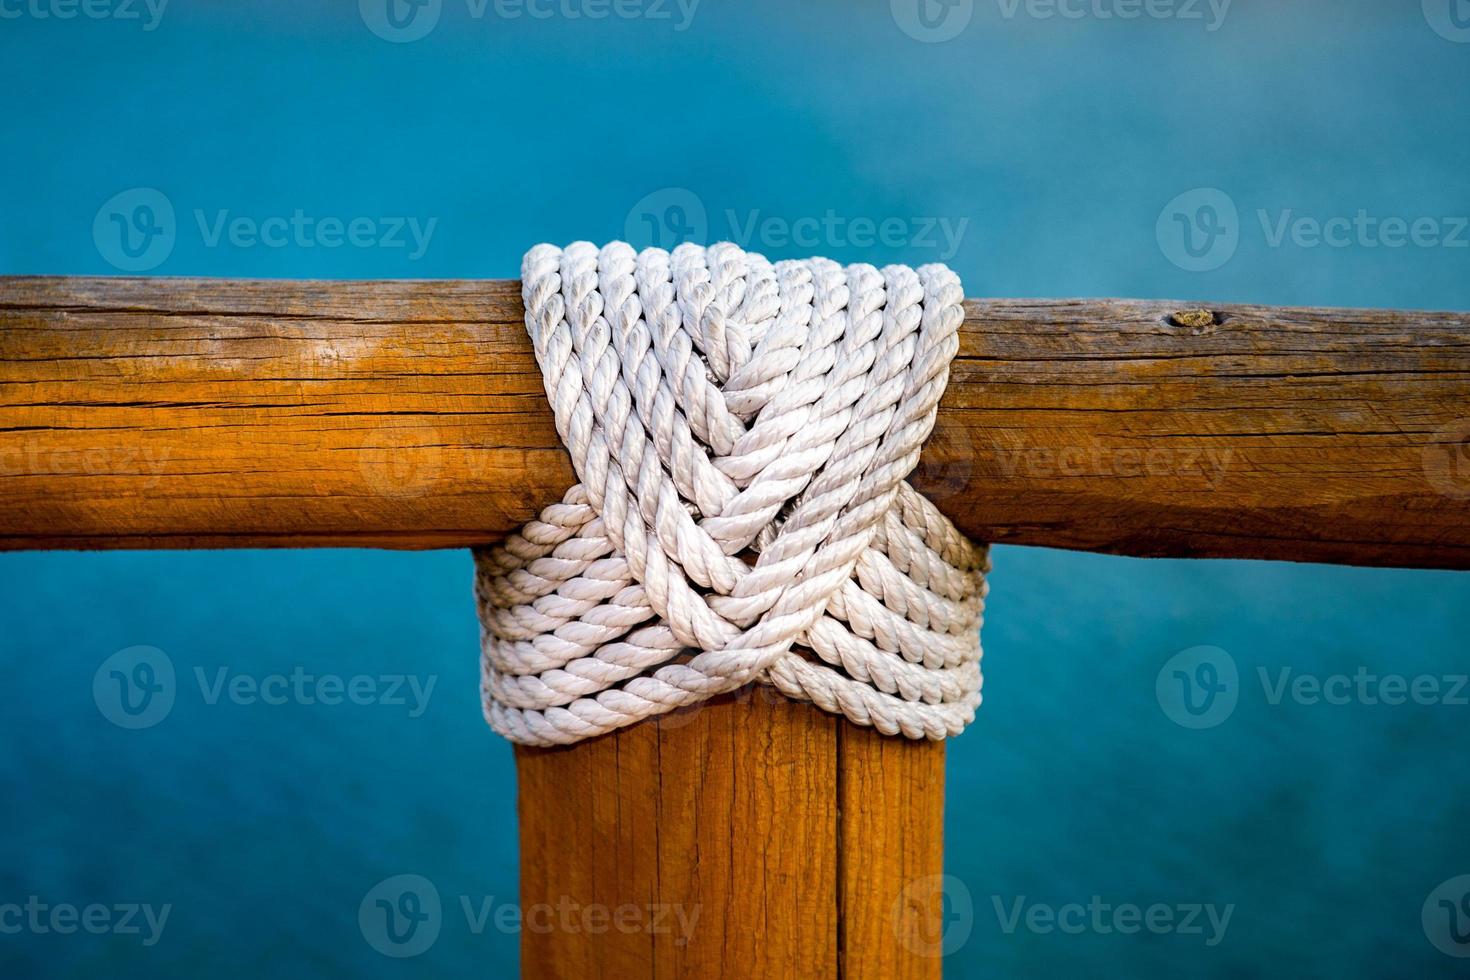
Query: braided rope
<point>742,432</point>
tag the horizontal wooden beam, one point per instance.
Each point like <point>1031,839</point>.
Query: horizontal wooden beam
<point>159,413</point>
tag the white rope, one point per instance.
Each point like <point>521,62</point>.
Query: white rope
<point>742,432</point>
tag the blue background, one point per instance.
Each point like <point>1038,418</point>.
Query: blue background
<point>1059,140</point>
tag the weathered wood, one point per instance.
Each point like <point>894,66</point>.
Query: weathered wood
<point>749,837</point>
<point>147,413</point>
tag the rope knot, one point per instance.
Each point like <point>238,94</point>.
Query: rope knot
<point>742,432</point>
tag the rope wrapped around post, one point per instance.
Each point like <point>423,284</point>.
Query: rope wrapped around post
<point>742,431</point>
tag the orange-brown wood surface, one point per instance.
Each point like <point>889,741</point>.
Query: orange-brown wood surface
<point>750,837</point>
<point>148,413</point>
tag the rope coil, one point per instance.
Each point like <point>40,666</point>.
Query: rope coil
<point>742,432</point>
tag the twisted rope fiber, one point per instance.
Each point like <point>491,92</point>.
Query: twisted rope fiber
<point>742,432</point>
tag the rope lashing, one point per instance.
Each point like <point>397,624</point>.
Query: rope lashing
<point>742,431</point>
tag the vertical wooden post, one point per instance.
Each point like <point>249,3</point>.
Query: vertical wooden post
<point>750,836</point>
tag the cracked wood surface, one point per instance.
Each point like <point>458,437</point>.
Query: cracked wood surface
<point>179,413</point>
<point>781,842</point>
<point>749,836</point>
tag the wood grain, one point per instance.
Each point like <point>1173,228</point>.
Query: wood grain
<point>153,413</point>
<point>749,837</point>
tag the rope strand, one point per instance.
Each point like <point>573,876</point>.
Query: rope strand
<point>742,433</point>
